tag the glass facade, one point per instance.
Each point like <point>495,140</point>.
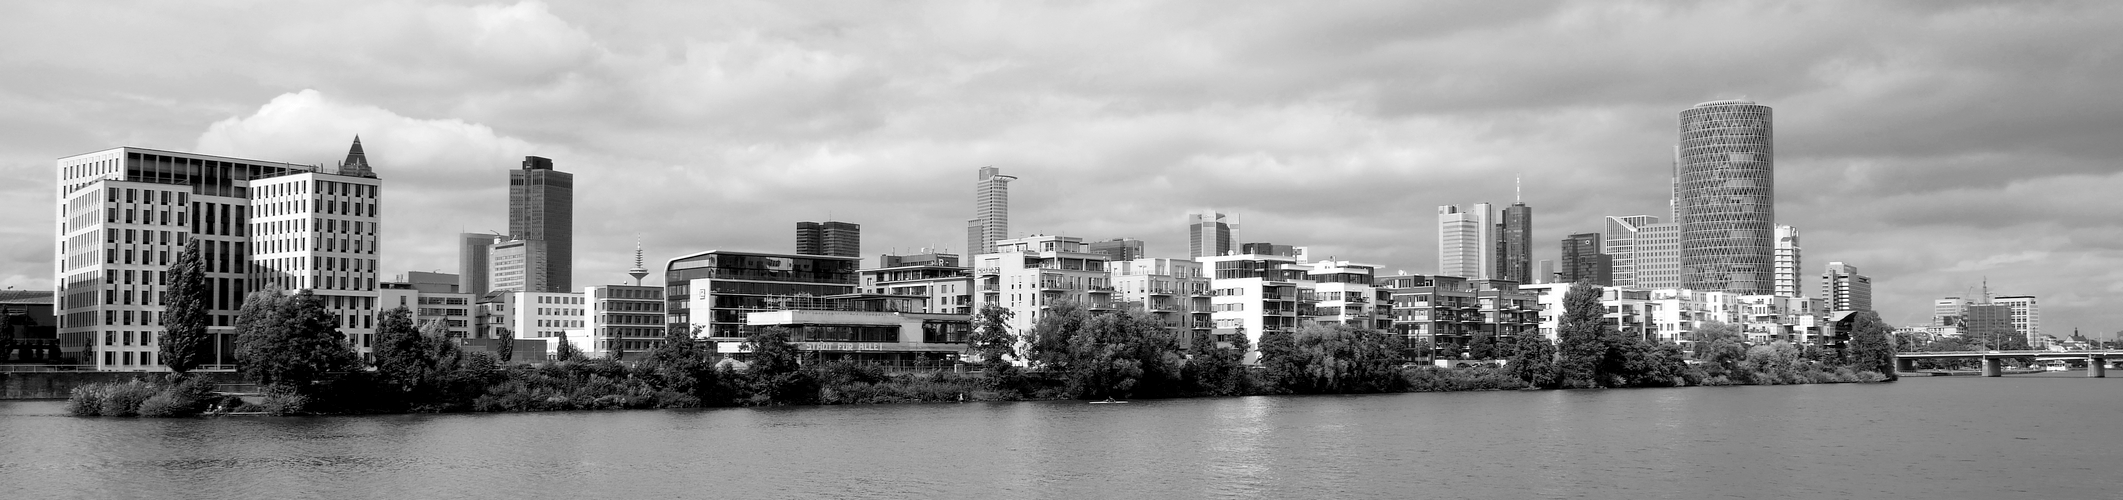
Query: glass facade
<point>542,209</point>
<point>1724,194</point>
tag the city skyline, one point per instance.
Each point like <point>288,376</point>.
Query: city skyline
<point>1916,131</point>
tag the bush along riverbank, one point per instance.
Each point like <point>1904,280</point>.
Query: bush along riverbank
<point>1072,353</point>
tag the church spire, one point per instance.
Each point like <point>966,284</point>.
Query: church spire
<point>357,162</point>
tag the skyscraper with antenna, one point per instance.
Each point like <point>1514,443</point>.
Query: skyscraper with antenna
<point>1514,239</point>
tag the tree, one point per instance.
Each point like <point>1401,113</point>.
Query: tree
<point>1337,358</point>
<point>775,369</point>
<point>1533,360</point>
<point>1870,349</point>
<point>290,341</point>
<point>1215,370</point>
<point>1582,337</point>
<point>565,351</point>
<point>185,311</point>
<point>420,364</point>
<point>505,341</point>
<point>991,340</point>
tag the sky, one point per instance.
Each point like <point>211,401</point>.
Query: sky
<point>1933,144</point>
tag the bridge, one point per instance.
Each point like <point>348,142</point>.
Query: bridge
<point>2096,361</point>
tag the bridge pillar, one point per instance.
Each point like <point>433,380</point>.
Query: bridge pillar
<point>1993,367</point>
<point>2096,367</point>
<point>1905,364</point>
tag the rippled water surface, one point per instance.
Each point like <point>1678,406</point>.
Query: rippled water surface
<point>1947,437</point>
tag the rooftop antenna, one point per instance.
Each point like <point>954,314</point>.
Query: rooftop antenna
<point>638,272</point>
<point>1518,188</point>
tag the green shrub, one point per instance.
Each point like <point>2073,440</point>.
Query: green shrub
<point>284,403</point>
<point>86,400</point>
<point>1482,378</point>
<point>123,399</point>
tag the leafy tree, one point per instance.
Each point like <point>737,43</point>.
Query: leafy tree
<point>290,340</point>
<point>1533,360</point>
<point>685,365</point>
<point>1582,336</point>
<point>185,311</point>
<point>776,371</point>
<point>1215,370</point>
<point>1870,349</point>
<point>1049,344</point>
<point>991,340</point>
<point>422,367</point>
<point>507,341</point>
<point>1337,358</point>
<point>565,351</point>
<point>1279,358</point>
<point>1721,347</point>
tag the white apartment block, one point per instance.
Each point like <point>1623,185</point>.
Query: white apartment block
<point>125,214</point>
<point>1345,292</point>
<point>1656,261</point>
<point>1172,290</point>
<point>1257,294</point>
<point>1029,275</point>
<point>2026,318</point>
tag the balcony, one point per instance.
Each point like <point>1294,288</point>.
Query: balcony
<point>991,287</point>
<point>988,271</point>
<point>1100,288</point>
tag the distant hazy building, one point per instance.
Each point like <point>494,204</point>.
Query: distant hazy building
<point>542,210</point>
<point>1724,193</point>
<point>842,239</point>
<point>512,265</point>
<point>474,267</point>
<point>1787,276</point>
<point>1582,260</point>
<point>1466,241</point>
<point>1990,324</point>
<point>1514,245</point>
<point>1118,249</point>
<point>991,211</point>
<point>1843,289</point>
<point>1547,272</point>
<point>1208,235</point>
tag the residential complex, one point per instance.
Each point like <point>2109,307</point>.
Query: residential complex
<point>1032,274</point>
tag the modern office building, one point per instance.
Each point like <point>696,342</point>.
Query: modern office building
<point>865,329</point>
<point>1466,241</point>
<point>1514,245</point>
<point>1032,274</point>
<point>1119,249</point>
<point>1208,235</point>
<point>542,210</point>
<point>1656,256</point>
<point>716,288</point>
<point>991,211</point>
<point>1619,243</point>
<point>1725,196</point>
<point>474,267</point>
<point>842,239</point>
<point>2026,317</point>
<point>1582,260</point>
<point>512,266</point>
<point>125,214</point>
<point>622,321</point>
<point>1991,325</point>
<point>1843,289</point>
<point>1788,283</point>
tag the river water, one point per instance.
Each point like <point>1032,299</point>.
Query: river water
<point>1939,437</point>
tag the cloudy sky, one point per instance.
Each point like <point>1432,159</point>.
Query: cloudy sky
<point>1930,143</point>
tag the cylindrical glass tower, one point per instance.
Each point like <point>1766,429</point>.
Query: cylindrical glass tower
<point>1725,198</point>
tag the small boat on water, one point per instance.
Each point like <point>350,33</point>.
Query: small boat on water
<point>1109,401</point>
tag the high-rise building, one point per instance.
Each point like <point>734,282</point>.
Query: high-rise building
<point>842,239</point>
<point>2026,317</point>
<point>991,211</point>
<point>473,265</point>
<point>1466,242</point>
<point>1725,196</point>
<point>1656,257</point>
<point>1582,260</point>
<point>1514,245</point>
<point>126,213</point>
<point>1118,249</point>
<point>542,210</point>
<point>1788,283</point>
<point>1547,272</point>
<point>1620,246</point>
<point>1843,289</point>
<point>1208,235</point>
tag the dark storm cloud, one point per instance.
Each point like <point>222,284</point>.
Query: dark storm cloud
<point>1909,134</point>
